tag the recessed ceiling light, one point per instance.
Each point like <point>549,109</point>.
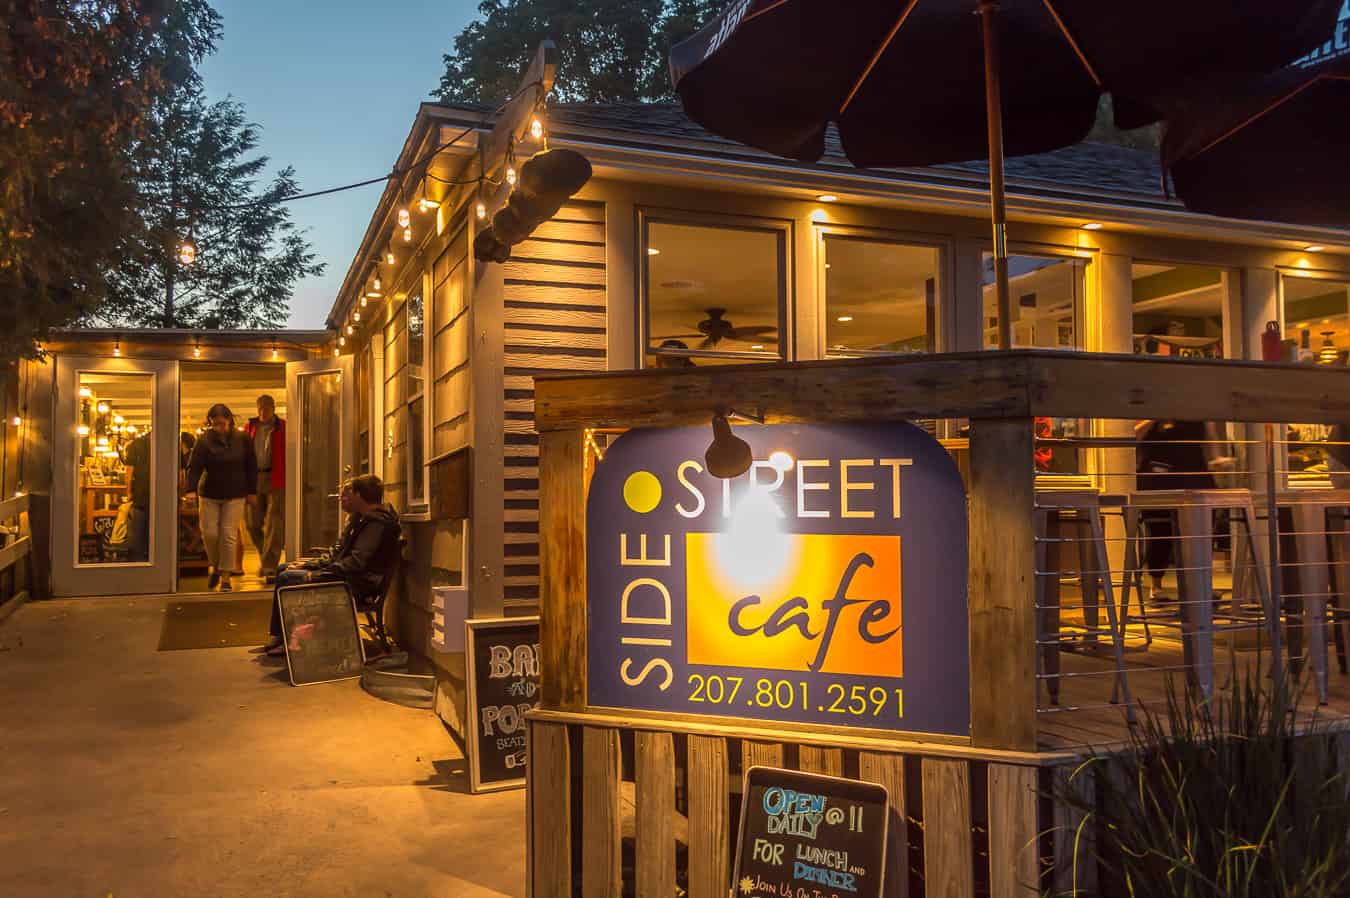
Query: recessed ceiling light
<point>827,266</point>
<point>653,251</point>
<point>827,197</point>
<point>844,319</point>
<point>1092,226</point>
<point>1313,248</point>
<point>757,346</point>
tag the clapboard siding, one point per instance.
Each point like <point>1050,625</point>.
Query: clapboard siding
<point>451,376</point>
<point>554,321</point>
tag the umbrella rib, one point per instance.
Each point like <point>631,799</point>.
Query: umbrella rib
<point>1255,117</point>
<point>1078,51</point>
<point>876,57</point>
<point>759,12</point>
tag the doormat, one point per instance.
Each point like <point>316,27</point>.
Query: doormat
<point>215,624</point>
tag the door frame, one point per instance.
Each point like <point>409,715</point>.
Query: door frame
<point>159,574</point>
<point>342,365</point>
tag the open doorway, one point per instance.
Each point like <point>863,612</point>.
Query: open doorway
<point>237,385</point>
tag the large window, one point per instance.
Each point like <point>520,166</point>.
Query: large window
<point>1047,297</point>
<point>1046,293</point>
<point>713,294</point>
<point>1179,310</point>
<point>1317,322</point>
<point>880,297</point>
<point>417,475</point>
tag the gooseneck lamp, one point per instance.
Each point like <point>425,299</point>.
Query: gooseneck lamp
<point>728,455</point>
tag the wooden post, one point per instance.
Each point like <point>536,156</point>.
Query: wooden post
<point>550,811</point>
<point>562,567</point>
<point>948,856</point>
<point>709,817</point>
<point>601,837</point>
<point>486,404</point>
<point>889,771</point>
<point>654,814</point>
<point>1013,867</point>
<point>1002,584</point>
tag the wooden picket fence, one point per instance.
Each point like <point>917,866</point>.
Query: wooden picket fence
<point>965,822</point>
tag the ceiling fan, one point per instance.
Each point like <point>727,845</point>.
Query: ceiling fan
<point>716,328</point>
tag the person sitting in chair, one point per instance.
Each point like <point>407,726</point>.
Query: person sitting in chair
<point>365,553</point>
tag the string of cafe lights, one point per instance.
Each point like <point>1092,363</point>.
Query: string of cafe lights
<point>188,249</point>
<point>374,285</point>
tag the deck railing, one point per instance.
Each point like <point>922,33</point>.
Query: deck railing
<point>15,547</point>
<point>1051,674</point>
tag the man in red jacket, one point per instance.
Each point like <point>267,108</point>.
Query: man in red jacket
<point>267,510</point>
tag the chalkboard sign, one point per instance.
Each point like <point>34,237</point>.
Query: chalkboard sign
<point>503,679</point>
<point>803,834</point>
<point>322,638</point>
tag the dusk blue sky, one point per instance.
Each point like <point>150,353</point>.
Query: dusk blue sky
<point>334,87</point>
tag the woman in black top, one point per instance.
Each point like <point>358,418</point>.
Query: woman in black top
<point>223,472</point>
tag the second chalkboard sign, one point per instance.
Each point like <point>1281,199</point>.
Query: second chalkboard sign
<point>803,834</point>
<point>322,636</point>
<point>503,680</point>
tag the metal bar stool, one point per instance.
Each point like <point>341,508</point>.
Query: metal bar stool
<point>1192,513</point>
<point>1318,543</point>
<point>1056,512</point>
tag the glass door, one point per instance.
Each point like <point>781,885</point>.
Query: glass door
<point>114,476</point>
<point>320,452</point>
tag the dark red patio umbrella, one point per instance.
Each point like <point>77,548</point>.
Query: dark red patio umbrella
<point>1277,148</point>
<point>920,82</point>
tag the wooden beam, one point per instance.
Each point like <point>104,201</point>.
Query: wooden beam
<point>654,815</point>
<point>13,507</point>
<point>1023,383</point>
<point>14,552</point>
<point>889,770</point>
<point>1002,579</point>
<point>562,568</point>
<point>1014,870</point>
<point>949,868</point>
<point>514,121</point>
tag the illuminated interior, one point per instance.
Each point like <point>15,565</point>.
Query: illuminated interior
<point>881,298</point>
<point>1045,297</point>
<point>713,290</point>
<point>1178,310</point>
<point>114,410</point>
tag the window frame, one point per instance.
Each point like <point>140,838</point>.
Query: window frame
<point>941,297</point>
<point>418,474</point>
<point>783,230</point>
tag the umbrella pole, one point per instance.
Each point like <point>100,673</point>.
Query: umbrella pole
<point>993,103</point>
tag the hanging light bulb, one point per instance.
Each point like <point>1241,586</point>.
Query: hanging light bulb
<point>378,285</point>
<point>403,218</point>
<point>426,205</point>
<point>356,316</point>
<point>85,393</point>
<point>350,330</point>
<point>103,408</point>
<point>118,419</point>
<point>117,347</point>
<point>363,302</point>
<point>511,174</point>
<point>536,128</point>
<point>187,250</point>
<point>16,420</point>
<point>274,350</point>
<point>389,257</point>
<point>197,350</point>
<point>407,235</point>
<point>480,210</point>
<point>342,341</point>
<point>337,351</point>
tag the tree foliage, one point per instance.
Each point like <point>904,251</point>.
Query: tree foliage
<point>610,50</point>
<point>76,80</point>
<point>197,175</point>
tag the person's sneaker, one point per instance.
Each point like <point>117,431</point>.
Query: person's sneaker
<point>213,580</point>
<point>277,650</point>
<point>225,586</point>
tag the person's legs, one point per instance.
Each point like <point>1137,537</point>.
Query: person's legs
<point>138,526</point>
<point>208,515</point>
<point>274,527</point>
<point>287,575</point>
<point>254,515</point>
<point>231,510</point>
<point>1158,550</point>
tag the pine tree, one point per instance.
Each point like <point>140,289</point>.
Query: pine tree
<point>197,177</point>
<point>77,79</point>
<point>611,50</point>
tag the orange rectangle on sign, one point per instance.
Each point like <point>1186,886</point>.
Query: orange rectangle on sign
<point>809,602</point>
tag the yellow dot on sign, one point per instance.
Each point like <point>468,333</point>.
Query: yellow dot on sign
<point>642,491</point>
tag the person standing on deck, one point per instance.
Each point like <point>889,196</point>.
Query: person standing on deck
<point>267,508</point>
<point>223,472</point>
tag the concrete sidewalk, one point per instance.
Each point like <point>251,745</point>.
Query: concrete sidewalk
<point>130,772</point>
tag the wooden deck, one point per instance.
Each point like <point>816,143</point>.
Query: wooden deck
<point>1085,719</point>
